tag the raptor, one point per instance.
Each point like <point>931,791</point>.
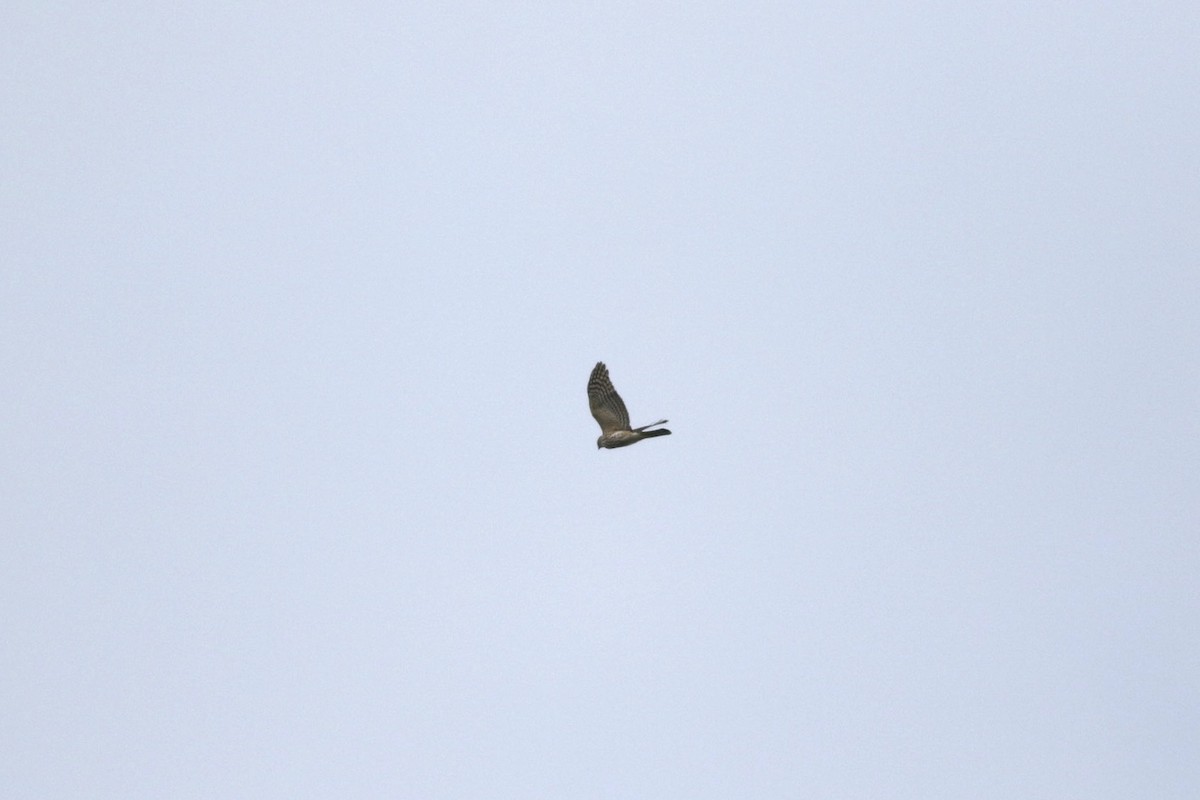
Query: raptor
<point>609,410</point>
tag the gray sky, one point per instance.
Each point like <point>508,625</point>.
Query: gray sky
<point>301,493</point>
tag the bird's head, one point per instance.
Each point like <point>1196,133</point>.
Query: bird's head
<point>598,441</point>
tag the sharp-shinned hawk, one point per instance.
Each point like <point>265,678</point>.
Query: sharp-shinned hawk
<point>609,410</point>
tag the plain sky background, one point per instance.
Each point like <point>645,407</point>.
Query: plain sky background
<point>301,496</point>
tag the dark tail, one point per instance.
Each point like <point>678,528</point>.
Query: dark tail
<point>659,432</point>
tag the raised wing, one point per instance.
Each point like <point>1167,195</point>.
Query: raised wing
<point>607,406</point>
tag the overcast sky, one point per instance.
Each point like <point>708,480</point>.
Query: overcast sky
<point>301,496</point>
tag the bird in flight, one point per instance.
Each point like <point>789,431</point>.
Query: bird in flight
<point>609,410</point>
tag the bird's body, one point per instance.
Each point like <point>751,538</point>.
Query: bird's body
<point>626,438</point>
<point>609,410</point>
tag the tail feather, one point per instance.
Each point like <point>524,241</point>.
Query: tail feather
<point>659,432</point>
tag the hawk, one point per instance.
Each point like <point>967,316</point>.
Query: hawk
<point>609,410</point>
